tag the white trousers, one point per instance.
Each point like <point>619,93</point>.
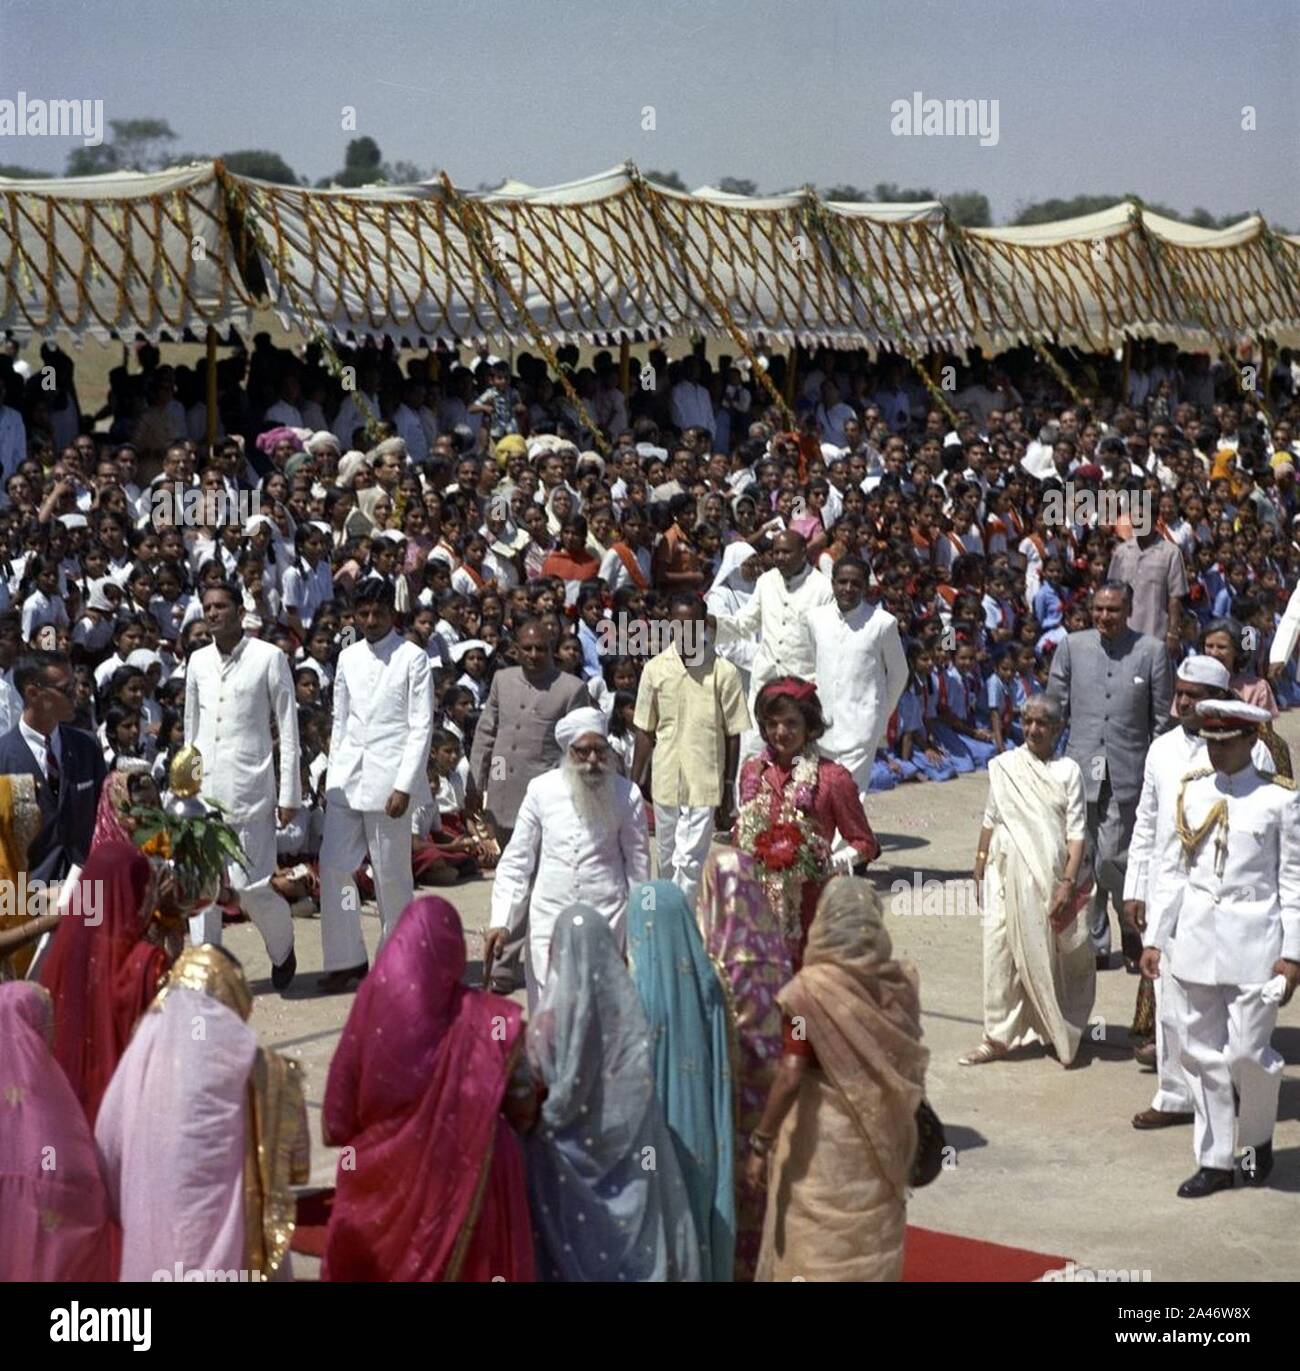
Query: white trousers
<point>269,912</point>
<point>1173,1094</point>
<point>348,835</point>
<point>682,838</point>
<point>1227,1042</point>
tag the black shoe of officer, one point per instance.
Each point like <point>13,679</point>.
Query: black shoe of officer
<point>1206,1181</point>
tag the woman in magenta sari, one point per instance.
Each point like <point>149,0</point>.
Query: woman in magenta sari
<point>745,942</point>
<point>426,1088</point>
<point>55,1220</point>
<point>789,785</point>
<point>104,967</point>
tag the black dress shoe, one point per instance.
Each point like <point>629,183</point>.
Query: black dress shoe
<point>1206,1181</point>
<point>1103,961</point>
<point>1257,1173</point>
<point>282,975</point>
<point>343,981</point>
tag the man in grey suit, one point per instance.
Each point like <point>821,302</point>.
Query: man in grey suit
<point>1115,687</point>
<point>515,742</point>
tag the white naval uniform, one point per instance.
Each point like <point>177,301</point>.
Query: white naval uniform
<point>778,609</point>
<point>1228,929</point>
<point>383,724</point>
<point>572,864</point>
<point>1169,758</point>
<point>861,672</point>
<point>229,705</point>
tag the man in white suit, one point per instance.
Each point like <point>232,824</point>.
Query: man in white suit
<point>234,687</point>
<point>379,759</point>
<point>1171,756</point>
<point>777,610</point>
<point>1234,920</point>
<point>582,830</point>
<point>861,671</point>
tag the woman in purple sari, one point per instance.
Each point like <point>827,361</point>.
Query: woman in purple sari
<point>744,938</point>
<point>426,1090</point>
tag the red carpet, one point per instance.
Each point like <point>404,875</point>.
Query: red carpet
<point>931,1256</point>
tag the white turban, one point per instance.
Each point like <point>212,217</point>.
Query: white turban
<point>319,442</point>
<point>570,728</point>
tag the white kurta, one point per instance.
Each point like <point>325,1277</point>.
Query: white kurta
<point>861,674</point>
<point>572,864</point>
<point>778,609</point>
<point>229,704</point>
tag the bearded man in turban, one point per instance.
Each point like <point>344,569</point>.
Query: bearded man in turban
<point>582,829</point>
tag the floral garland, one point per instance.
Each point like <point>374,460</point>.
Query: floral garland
<point>786,846</point>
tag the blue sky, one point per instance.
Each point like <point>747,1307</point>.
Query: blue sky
<point>1094,95</point>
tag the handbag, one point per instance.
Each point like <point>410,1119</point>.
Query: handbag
<point>930,1144</point>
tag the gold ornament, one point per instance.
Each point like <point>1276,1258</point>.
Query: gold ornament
<point>185,775</point>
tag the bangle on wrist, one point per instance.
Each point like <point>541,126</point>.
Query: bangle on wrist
<point>759,1144</point>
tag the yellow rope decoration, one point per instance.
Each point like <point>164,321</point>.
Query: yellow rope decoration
<point>333,363</point>
<point>649,197</point>
<point>817,218</point>
<point>467,216</point>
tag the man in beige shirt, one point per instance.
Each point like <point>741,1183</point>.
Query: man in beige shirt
<point>690,713</point>
<point>1153,567</point>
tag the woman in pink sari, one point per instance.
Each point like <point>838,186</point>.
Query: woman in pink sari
<point>55,1221</point>
<point>434,1189</point>
<point>743,937</point>
<point>103,975</point>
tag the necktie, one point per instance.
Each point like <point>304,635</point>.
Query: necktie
<point>52,776</point>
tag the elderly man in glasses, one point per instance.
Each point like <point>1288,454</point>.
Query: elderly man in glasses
<point>582,830</point>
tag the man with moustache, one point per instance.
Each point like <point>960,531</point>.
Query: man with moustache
<point>580,836</point>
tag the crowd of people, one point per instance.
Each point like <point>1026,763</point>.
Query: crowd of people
<point>427,621</point>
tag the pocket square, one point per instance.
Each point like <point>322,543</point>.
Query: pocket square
<point>1139,680</point>
<point>84,785</point>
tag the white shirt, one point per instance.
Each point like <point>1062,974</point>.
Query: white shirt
<point>11,703</point>
<point>350,417</point>
<point>832,421</point>
<point>36,741</point>
<point>229,703</point>
<point>1229,926</point>
<point>572,863</point>
<point>861,672</point>
<point>411,430</point>
<point>39,610</point>
<point>307,588</point>
<point>383,722</point>
<point>13,443</point>
<point>779,611</point>
<point>616,575</point>
<point>691,406</point>
<point>1288,632</point>
<point>285,414</point>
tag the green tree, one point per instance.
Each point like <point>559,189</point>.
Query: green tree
<point>888,193</point>
<point>737,185</point>
<point>670,179</point>
<point>17,173</point>
<point>263,165</point>
<point>92,161</point>
<point>969,208</point>
<point>850,194</point>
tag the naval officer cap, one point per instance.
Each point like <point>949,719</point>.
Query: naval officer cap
<point>1222,720</point>
<point>1203,670</point>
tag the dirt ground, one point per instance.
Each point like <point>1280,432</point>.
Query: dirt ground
<point>1045,1158</point>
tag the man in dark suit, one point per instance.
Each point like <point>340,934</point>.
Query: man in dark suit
<point>67,764</point>
<point>1116,688</point>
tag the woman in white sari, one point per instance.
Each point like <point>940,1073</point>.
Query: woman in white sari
<point>1039,968</point>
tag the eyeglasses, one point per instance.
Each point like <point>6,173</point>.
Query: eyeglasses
<point>594,751</point>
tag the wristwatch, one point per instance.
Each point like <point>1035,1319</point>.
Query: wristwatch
<point>759,1144</point>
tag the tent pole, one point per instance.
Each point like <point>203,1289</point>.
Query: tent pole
<point>210,437</point>
<point>1124,371</point>
<point>625,365</point>
<point>790,373</point>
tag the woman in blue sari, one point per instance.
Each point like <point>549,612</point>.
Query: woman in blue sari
<point>686,1010</point>
<point>608,1199</point>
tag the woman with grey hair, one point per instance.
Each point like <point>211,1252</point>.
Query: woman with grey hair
<point>1039,970</point>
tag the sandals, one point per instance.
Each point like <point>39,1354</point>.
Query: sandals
<point>987,1051</point>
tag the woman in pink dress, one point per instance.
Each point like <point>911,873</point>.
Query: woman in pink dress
<point>55,1223</point>
<point>426,1091</point>
<point>789,779</point>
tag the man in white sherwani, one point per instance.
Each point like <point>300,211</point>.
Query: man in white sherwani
<point>861,672</point>
<point>379,763</point>
<point>234,688</point>
<point>1234,920</point>
<point>778,609</point>
<point>1170,757</point>
<point>582,830</point>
